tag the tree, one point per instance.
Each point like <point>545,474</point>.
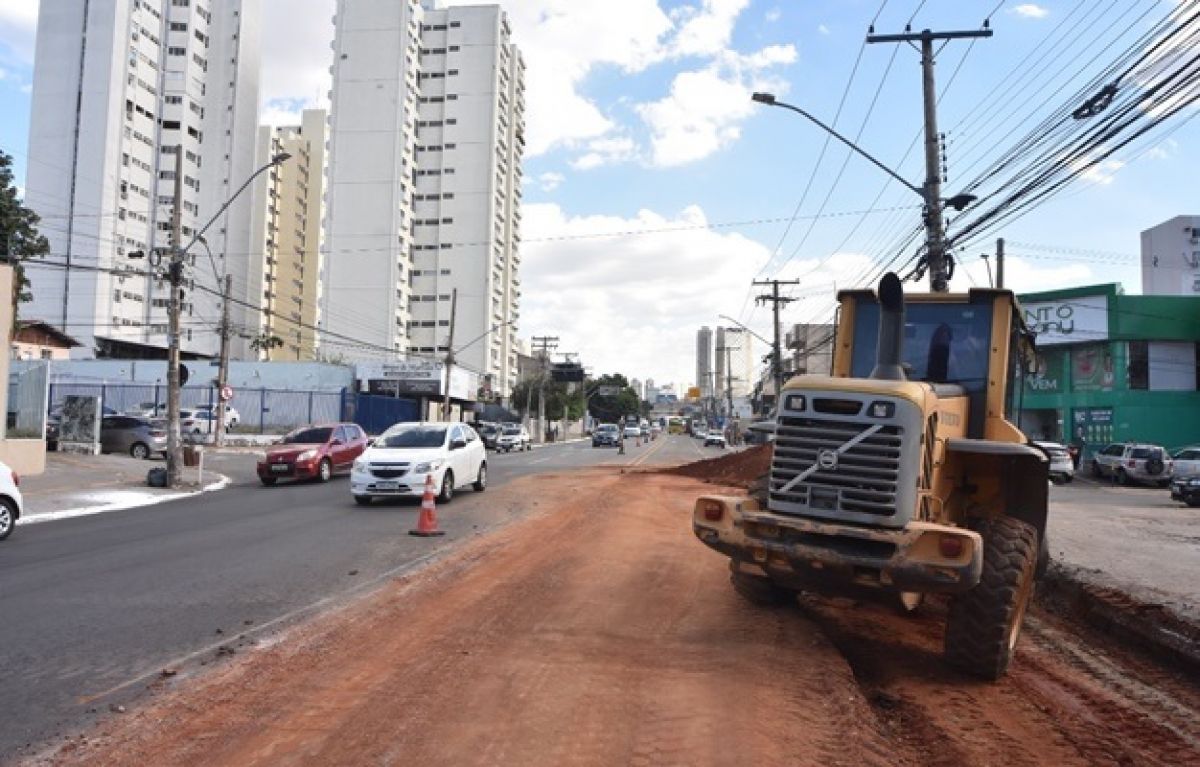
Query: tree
<point>611,408</point>
<point>560,400</point>
<point>265,342</point>
<point>19,235</point>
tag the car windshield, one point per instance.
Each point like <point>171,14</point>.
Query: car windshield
<point>607,428</point>
<point>414,436</point>
<point>512,429</point>
<point>487,429</point>
<point>311,436</point>
<point>943,343</point>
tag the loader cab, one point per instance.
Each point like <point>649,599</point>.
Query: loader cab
<point>972,345</point>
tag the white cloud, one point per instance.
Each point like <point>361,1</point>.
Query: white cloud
<point>1164,150</point>
<point>18,27</point>
<point>1022,275</point>
<point>823,29</point>
<point>604,151</point>
<point>550,181</point>
<point>705,108</point>
<point>773,15</point>
<point>706,31</point>
<point>1103,172</point>
<point>1031,11</point>
<point>295,57</point>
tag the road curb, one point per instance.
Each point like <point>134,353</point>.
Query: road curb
<point>148,500</point>
<point>1146,626</point>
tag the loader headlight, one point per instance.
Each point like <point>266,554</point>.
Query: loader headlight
<point>882,409</point>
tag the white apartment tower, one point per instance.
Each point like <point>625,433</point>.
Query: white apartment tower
<point>1171,258</point>
<point>119,86</point>
<point>424,185</point>
<point>734,358</point>
<point>704,361</point>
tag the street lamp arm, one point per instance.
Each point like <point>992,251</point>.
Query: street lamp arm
<point>482,336</point>
<point>748,330</point>
<point>769,99</point>
<point>276,160</point>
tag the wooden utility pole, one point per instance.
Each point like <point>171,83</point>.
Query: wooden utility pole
<point>776,301</point>
<point>935,224</point>
<point>174,310</point>
<point>449,355</point>
<point>223,366</point>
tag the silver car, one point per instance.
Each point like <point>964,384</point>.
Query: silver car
<point>1132,462</point>
<point>1062,468</point>
<point>140,437</point>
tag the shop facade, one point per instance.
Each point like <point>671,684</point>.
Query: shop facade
<point>1113,368</point>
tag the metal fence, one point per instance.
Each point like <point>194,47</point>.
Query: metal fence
<point>259,411</point>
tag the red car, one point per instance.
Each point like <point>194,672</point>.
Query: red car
<point>313,452</point>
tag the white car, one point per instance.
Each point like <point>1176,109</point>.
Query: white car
<point>1062,468</point>
<point>232,417</point>
<point>633,431</point>
<point>715,437</point>
<point>397,463</point>
<point>10,500</point>
<point>513,437</point>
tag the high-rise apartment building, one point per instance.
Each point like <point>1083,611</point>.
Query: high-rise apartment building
<point>425,184</point>
<point>283,274</point>
<point>734,360</point>
<point>810,350</point>
<point>119,89</point>
<point>1171,258</point>
<point>704,361</point>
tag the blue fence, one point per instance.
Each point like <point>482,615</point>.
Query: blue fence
<point>376,413</point>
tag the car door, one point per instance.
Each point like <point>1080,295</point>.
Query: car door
<point>357,442</point>
<point>109,434</point>
<point>475,451</point>
<point>460,459</point>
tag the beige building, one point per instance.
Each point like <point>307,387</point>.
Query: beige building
<point>286,227</point>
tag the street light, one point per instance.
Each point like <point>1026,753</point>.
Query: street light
<point>175,305</point>
<point>935,244</point>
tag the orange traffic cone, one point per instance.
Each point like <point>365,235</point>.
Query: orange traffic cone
<point>427,521</point>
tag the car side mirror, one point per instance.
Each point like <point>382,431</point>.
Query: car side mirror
<point>370,441</point>
<point>458,444</point>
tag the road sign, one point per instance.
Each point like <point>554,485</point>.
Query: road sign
<point>693,392</point>
<point>226,393</point>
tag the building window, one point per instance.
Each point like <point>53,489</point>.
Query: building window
<point>1139,365</point>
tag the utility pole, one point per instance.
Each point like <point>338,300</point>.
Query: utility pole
<point>1000,263</point>
<point>449,355</point>
<point>223,367</point>
<point>776,348</point>
<point>174,309</point>
<point>728,377</point>
<point>547,344</point>
<point>935,224</point>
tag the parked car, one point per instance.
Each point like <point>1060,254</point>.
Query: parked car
<point>140,437</point>
<point>715,437</point>
<point>489,433</point>
<point>404,455</point>
<point>313,452</point>
<point>632,431</point>
<point>1185,483</point>
<point>655,430</point>
<point>232,417</point>
<point>1062,468</point>
<point>513,436</point>
<point>606,435</point>
<point>1132,462</point>
<point>10,500</point>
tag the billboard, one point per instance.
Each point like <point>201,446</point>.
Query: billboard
<point>1068,320</point>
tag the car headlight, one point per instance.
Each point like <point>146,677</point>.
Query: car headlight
<point>360,464</point>
<point>307,455</point>
<point>426,467</point>
<point>1194,481</point>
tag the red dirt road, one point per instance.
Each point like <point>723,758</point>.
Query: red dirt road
<point>602,633</point>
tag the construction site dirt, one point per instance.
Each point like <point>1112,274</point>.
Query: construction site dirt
<point>600,632</point>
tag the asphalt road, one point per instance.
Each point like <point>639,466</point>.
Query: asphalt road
<point>93,609</point>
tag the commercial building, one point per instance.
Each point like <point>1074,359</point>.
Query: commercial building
<point>704,361</point>
<point>283,274</point>
<point>423,207</point>
<point>1171,258</point>
<point>119,89</point>
<point>734,366</point>
<point>1112,367</point>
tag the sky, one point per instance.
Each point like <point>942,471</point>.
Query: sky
<point>656,190</point>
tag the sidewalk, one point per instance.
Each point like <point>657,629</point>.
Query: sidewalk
<point>79,485</point>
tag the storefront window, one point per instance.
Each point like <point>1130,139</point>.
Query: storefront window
<point>1139,365</point>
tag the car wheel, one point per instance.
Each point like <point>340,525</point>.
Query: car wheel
<point>362,500</point>
<point>1122,477</point>
<point>447,493</point>
<point>140,451</point>
<point>481,481</point>
<point>267,481</point>
<point>324,470</point>
<point>8,518</point>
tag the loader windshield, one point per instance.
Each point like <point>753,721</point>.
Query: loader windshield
<point>943,343</point>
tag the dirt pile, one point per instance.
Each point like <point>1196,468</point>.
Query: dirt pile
<point>739,469</point>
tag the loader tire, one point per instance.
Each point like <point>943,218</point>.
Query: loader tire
<point>983,625</point>
<point>760,591</point>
